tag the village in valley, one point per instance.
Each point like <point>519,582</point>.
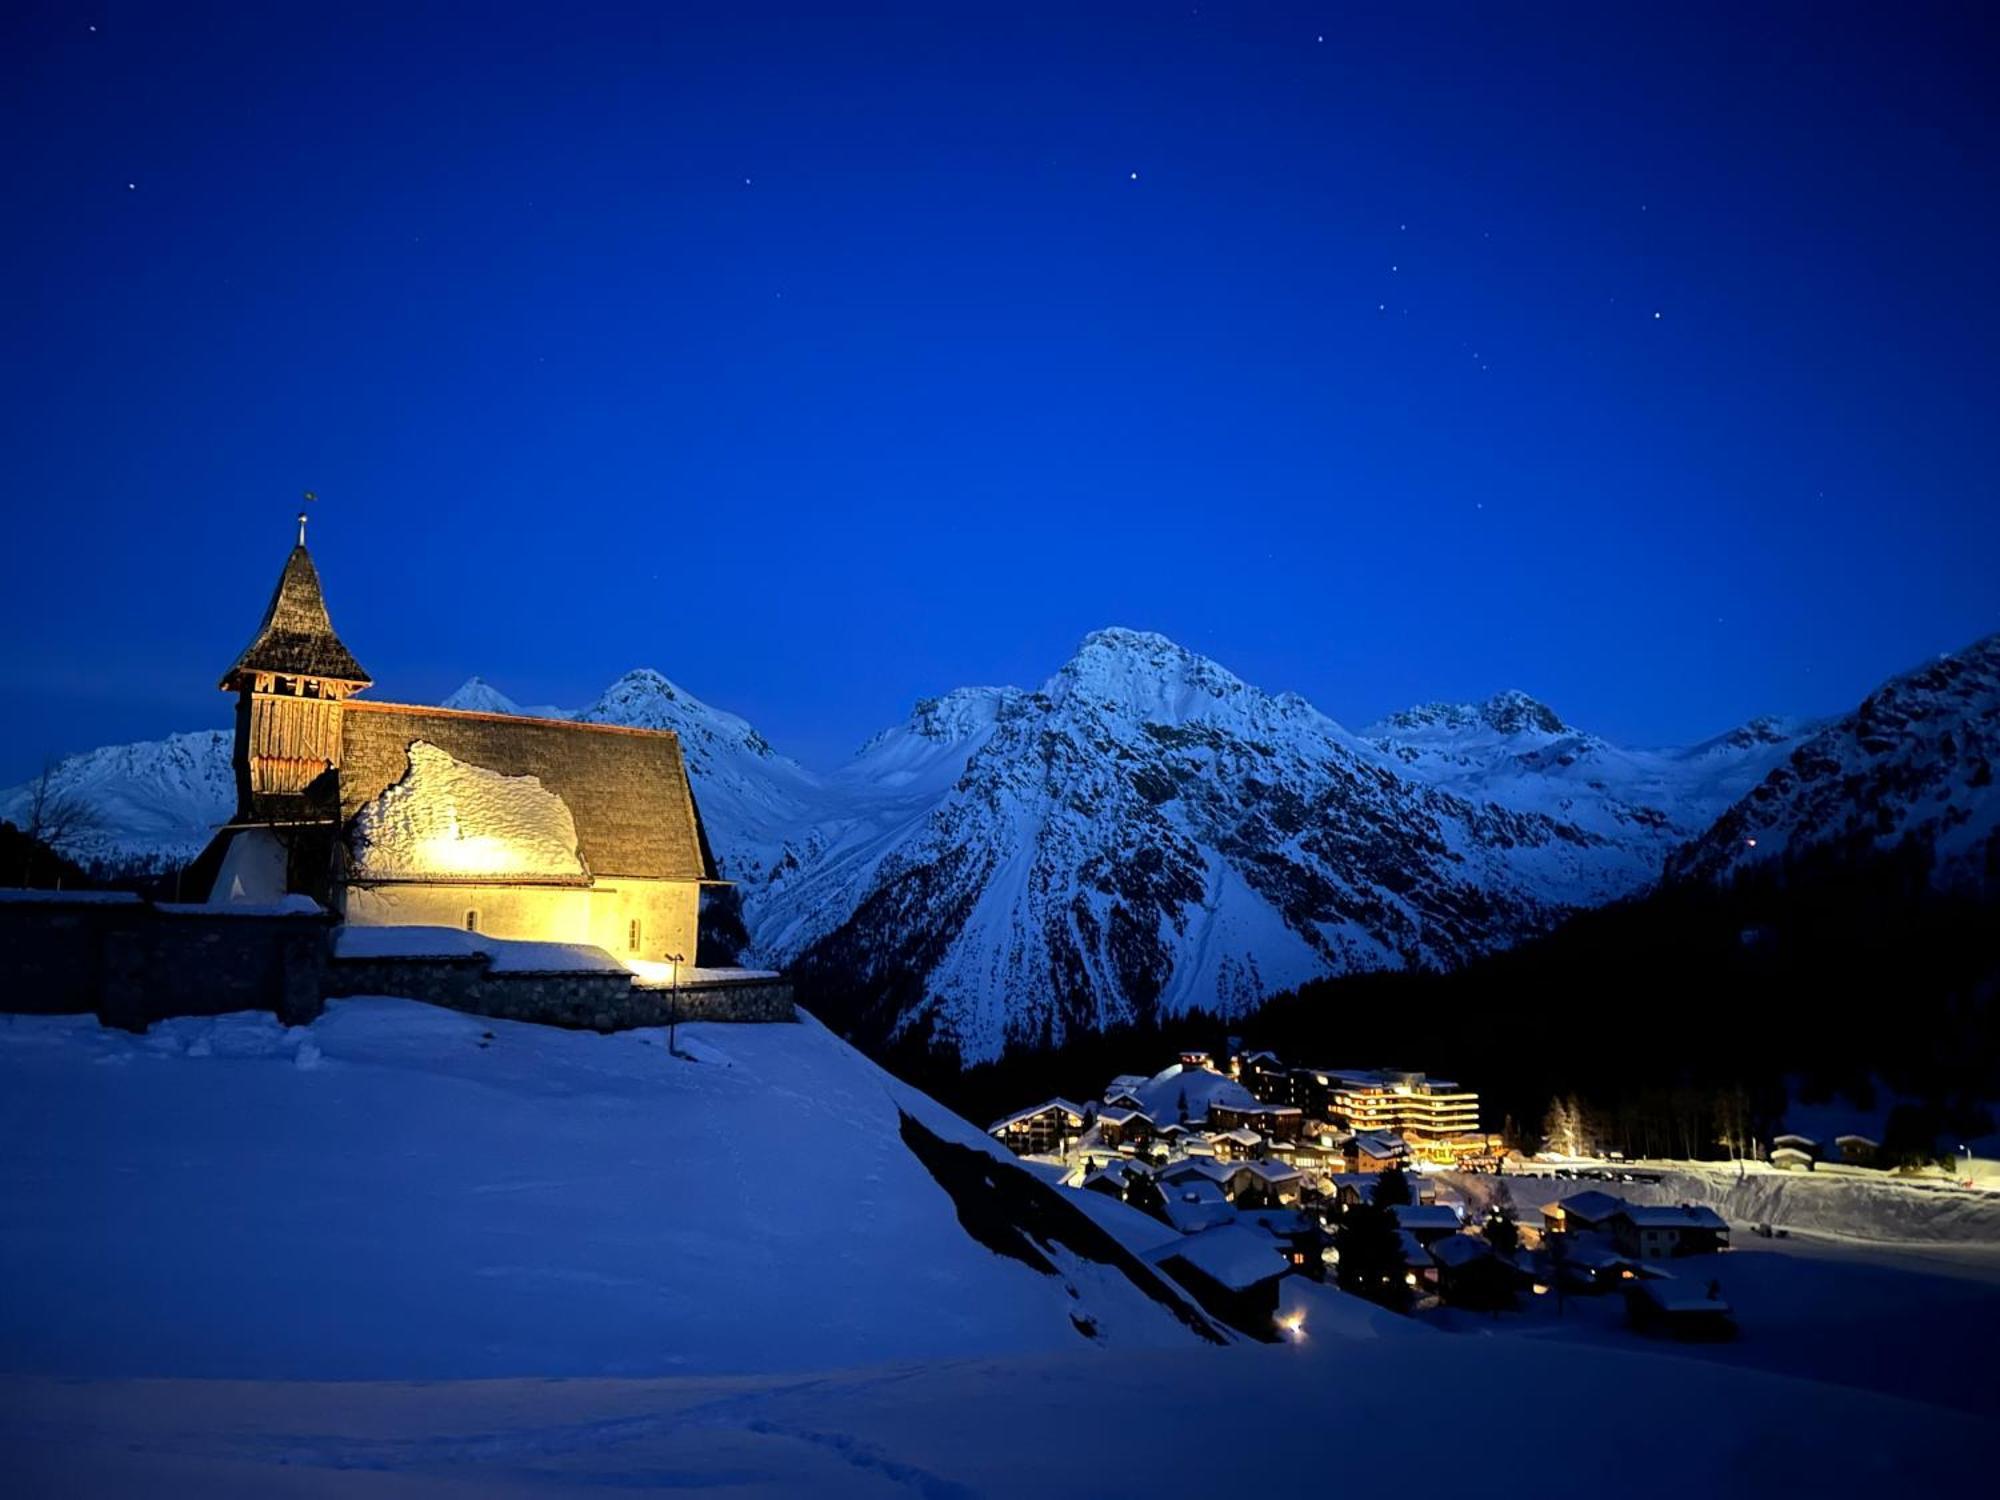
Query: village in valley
<point>1383,1183</point>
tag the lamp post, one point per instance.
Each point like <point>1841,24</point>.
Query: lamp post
<point>673,1003</point>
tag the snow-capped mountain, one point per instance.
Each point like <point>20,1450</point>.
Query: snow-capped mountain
<point>151,804</point>
<point>1915,761</point>
<point>1518,752</point>
<point>477,695</point>
<point>1149,833</point>
<point>752,798</point>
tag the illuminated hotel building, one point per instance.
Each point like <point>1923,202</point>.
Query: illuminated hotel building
<point>1409,1104</point>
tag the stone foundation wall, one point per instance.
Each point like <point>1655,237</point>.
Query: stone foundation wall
<point>584,1001</point>
<point>131,963</point>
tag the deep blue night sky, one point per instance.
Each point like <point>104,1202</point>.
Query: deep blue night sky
<point>823,361</point>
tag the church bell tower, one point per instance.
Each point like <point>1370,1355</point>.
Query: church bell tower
<point>289,683</point>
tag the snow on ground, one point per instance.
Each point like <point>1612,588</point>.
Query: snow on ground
<point>410,1252</point>
<point>1357,1415</point>
<point>402,1192</point>
<point>1853,1205</point>
<point>1818,1309</point>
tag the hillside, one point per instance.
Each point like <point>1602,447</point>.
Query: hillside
<point>400,1192</point>
<point>1915,762</point>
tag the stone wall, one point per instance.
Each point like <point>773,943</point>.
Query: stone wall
<point>131,963</point>
<point>585,1001</point>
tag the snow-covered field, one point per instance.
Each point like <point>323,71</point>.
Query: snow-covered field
<point>409,1252</point>
<point>389,1195</point>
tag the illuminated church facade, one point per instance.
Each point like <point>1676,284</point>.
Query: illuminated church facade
<point>400,814</point>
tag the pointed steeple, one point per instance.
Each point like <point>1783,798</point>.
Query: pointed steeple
<point>296,638</point>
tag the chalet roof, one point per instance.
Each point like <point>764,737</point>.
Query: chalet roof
<point>1672,1216</point>
<point>296,637</point>
<point>1233,1255</point>
<point>1047,1105</point>
<point>1456,1250</point>
<point>626,789</point>
<point>1590,1205</point>
<point>1426,1216</point>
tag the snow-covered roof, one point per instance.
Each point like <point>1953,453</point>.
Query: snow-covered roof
<point>1590,1204</point>
<point>1379,1143</point>
<point>1234,1255</point>
<point>1240,1136</point>
<point>1592,1252</point>
<point>625,790</point>
<point>1196,1205</point>
<point>1426,1216</point>
<point>505,955</point>
<point>68,898</point>
<point>1065,1105</point>
<point>1459,1250</point>
<point>1111,1114</point>
<point>1673,1295</point>
<point>1800,1142</point>
<point>1161,1094</point>
<point>1673,1216</point>
<point>1271,1171</point>
<point>294,905</point>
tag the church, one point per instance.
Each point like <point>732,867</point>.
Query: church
<point>396,814</point>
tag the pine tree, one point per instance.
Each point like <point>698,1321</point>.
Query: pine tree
<point>1371,1256</point>
<point>1392,1188</point>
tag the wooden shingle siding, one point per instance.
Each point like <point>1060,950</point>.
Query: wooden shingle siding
<point>627,789</point>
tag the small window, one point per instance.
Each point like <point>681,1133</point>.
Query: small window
<point>632,936</point>
<point>472,921</point>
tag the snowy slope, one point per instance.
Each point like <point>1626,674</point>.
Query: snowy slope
<point>1915,761</point>
<point>1517,752</point>
<point>404,1192</point>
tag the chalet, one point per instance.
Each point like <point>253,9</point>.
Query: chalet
<point>1581,1212</point>
<point>1678,1308</point>
<point>1124,1089</point>
<point>1648,1231</point>
<point>1792,1159</point>
<point>1368,1152</point>
<point>1302,1242</point>
<point>1119,1126</point>
<point>1272,1180</point>
<point>1233,1271</point>
<point>393,814</point>
<point>1427,1222</point>
<point>1470,1274</point>
<point>1194,1204</point>
<point>1858,1150</point>
<point>1279,1121</point>
<point>1802,1143</point>
<point>1194,1059</point>
<point>1045,1129</point>
<point>1237,1145</point>
<point>1588,1262</point>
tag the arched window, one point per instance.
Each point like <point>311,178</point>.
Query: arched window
<point>632,936</point>
<point>472,921</point>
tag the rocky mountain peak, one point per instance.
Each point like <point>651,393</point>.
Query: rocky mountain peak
<point>1514,712</point>
<point>1142,674</point>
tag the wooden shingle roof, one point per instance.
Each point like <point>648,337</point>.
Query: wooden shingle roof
<point>296,638</point>
<point>627,789</point>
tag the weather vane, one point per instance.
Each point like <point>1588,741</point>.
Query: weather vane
<point>310,496</point>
